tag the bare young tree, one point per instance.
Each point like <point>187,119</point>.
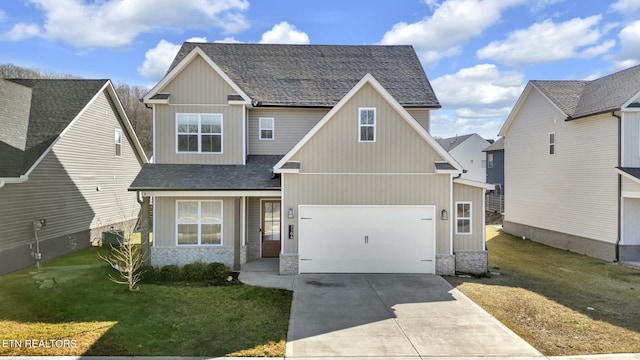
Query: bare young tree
<point>127,258</point>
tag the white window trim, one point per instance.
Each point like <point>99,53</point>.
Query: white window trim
<point>200,224</point>
<point>552,144</point>
<point>115,143</point>
<point>470,218</point>
<point>273,128</point>
<point>199,134</point>
<point>360,125</point>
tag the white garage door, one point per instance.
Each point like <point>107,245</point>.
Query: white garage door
<point>367,239</point>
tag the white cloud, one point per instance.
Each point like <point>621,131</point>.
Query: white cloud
<point>157,60</point>
<point>625,6</point>
<point>477,99</point>
<point>452,24</point>
<point>630,47</point>
<point>482,85</point>
<point>21,31</point>
<point>116,23</point>
<point>284,33</point>
<point>549,41</point>
<point>3,15</point>
<point>229,40</point>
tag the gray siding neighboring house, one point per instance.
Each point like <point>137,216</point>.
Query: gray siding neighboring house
<point>58,162</point>
<point>495,164</point>
<point>307,131</point>
<point>571,165</point>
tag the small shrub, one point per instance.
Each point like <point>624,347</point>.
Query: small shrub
<point>150,274</point>
<point>170,273</point>
<point>218,272</point>
<point>196,271</point>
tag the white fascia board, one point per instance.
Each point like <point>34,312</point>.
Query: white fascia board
<point>211,193</point>
<point>521,101</point>
<point>131,134</point>
<point>14,180</point>
<point>633,99</point>
<point>157,101</point>
<point>628,176</point>
<point>183,64</point>
<point>369,79</point>
<point>473,183</point>
<point>287,171</point>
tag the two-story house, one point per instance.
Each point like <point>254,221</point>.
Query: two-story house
<point>467,149</point>
<point>495,164</point>
<point>67,156</point>
<point>318,155</point>
<point>572,160</point>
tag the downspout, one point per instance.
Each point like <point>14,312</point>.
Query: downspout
<point>617,259</point>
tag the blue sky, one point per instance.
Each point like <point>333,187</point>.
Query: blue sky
<point>478,54</point>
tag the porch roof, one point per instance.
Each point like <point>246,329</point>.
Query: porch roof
<point>255,175</point>
<point>632,172</point>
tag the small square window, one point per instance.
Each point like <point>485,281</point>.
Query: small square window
<point>266,128</point>
<point>118,142</point>
<point>367,124</point>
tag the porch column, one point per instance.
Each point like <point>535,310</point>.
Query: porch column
<point>145,224</point>
<point>237,241</point>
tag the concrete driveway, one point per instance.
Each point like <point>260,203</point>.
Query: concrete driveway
<point>388,315</point>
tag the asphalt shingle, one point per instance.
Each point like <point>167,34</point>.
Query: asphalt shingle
<point>317,75</point>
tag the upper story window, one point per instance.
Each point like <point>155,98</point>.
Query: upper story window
<point>490,160</point>
<point>463,218</point>
<point>266,128</point>
<point>118,142</point>
<point>199,133</point>
<point>552,143</point>
<point>367,124</point>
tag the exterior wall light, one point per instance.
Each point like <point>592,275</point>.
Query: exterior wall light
<point>444,215</point>
<point>291,214</point>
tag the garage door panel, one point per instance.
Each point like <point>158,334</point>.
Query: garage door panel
<point>369,239</point>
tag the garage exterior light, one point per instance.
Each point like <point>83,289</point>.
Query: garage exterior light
<point>444,215</point>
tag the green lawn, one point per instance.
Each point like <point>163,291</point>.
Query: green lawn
<point>71,298</point>
<point>560,302</point>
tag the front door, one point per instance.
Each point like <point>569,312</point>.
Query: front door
<point>270,228</point>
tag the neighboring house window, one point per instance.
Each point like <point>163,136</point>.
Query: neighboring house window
<point>199,222</point>
<point>552,143</point>
<point>118,142</point>
<point>490,161</point>
<point>367,124</point>
<point>199,133</point>
<point>463,218</point>
<point>266,128</point>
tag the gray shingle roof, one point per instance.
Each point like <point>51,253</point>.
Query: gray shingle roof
<point>584,98</point>
<point>255,175</point>
<point>317,75</point>
<point>445,166</point>
<point>452,142</point>
<point>496,146</point>
<point>37,121</point>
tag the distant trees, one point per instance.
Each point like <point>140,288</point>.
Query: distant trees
<point>139,116</point>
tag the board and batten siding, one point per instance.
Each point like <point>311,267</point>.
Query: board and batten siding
<point>573,191</point>
<point>165,221</point>
<point>423,116</point>
<point>80,184</point>
<point>367,189</point>
<point>473,241</point>
<point>291,125</point>
<point>397,148</point>
<point>631,139</point>
<point>254,241</point>
<point>166,137</point>
<point>198,83</point>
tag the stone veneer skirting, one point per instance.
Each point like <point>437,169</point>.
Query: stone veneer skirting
<point>445,264</point>
<point>178,255</point>
<point>472,262</point>
<point>288,264</point>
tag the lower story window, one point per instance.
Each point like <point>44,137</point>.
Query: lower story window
<point>199,222</point>
<point>463,218</point>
